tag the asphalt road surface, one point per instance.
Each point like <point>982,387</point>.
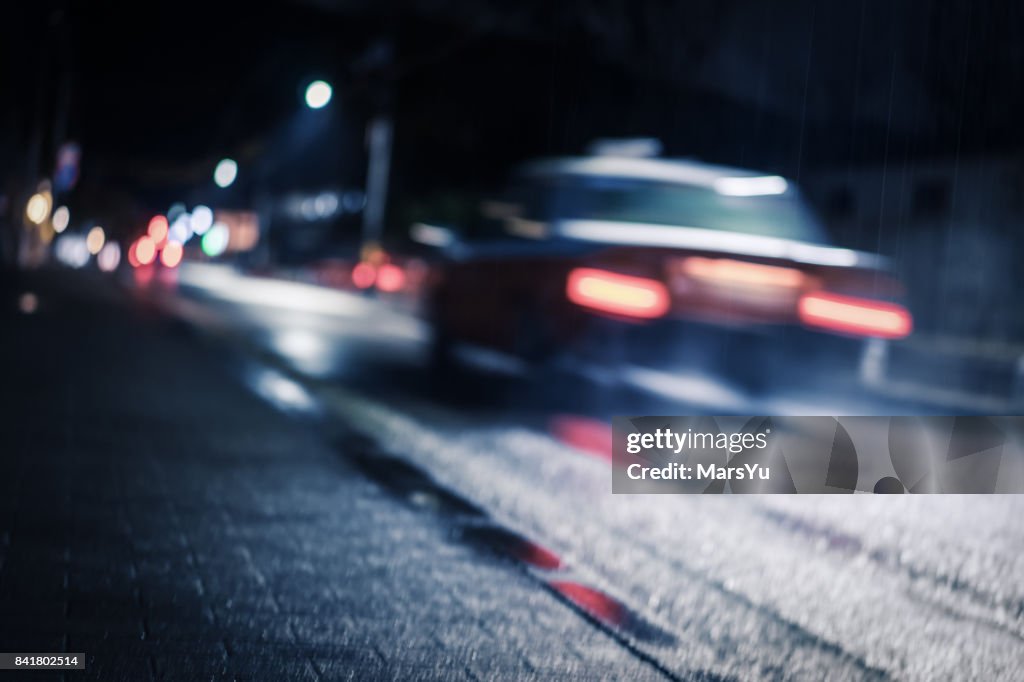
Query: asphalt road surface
<point>544,573</point>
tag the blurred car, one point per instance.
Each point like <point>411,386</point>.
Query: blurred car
<point>663,263</point>
<point>393,273</point>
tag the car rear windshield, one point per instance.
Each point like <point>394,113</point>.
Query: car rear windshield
<point>626,200</point>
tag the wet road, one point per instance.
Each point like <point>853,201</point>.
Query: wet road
<point>753,587</point>
<point>163,522</point>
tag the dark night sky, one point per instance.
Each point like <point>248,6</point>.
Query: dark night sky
<point>172,82</point>
<point>159,91</point>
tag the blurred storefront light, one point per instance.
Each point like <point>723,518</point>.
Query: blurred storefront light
<point>243,229</point>
<point>312,207</point>
<point>61,219</point>
<point>202,219</point>
<point>109,257</point>
<point>181,229</point>
<point>95,239</point>
<point>215,241</point>
<point>28,303</point>
<point>71,250</point>
<point>38,208</point>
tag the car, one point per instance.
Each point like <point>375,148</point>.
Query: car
<point>617,262</point>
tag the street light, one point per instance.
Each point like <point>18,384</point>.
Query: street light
<point>225,172</point>
<point>318,94</point>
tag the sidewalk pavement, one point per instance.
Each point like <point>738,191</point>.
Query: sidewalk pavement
<point>160,518</point>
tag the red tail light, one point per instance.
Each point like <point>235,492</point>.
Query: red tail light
<point>736,272</point>
<point>145,250</point>
<point>364,275</point>
<point>133,259</point>
<point>851,315</point>
<point>617,294</point>
<point>390,278</point>
<point>171,255</point>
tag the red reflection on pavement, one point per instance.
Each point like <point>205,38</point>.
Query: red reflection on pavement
<point>598,604</point>
<point>531,553</point>
<point>515,546</point>
<point>588,435</point>
<point>612,612</point>
<point>539,557</point>
<point>143,275</point>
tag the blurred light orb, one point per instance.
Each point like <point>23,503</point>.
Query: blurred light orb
<point>326,204</point>
<point>390,278</point>
<point>109,257</point>
<point>176,209</point>
<point>157,229</point>
<point>318,94</point>
<point>364,275</point>
<point>202,219</point>
<point>28,303</point>
<point>181,229</point>
<point>38,208</point>
<point>95,239</point>
<point>353,201</point>
<point>71,250</point>
<point>225,172</point>
<point>61,219</point>
<point>308,209</point>
<point>145,250</point>
<point>171,254</point>
<point>215,241</point>
<point>133,259</point>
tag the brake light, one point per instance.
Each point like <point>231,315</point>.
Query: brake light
<point>390,278</point>
<point>145,250</point>
<point>617,294</point>
<point>728,271</point>
<point>364,275</point>
<point>851,315</point>
<point>171,254</point>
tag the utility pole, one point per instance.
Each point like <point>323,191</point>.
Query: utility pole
<point>379,136</point>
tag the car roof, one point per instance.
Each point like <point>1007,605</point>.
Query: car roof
<point>671,171</point>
